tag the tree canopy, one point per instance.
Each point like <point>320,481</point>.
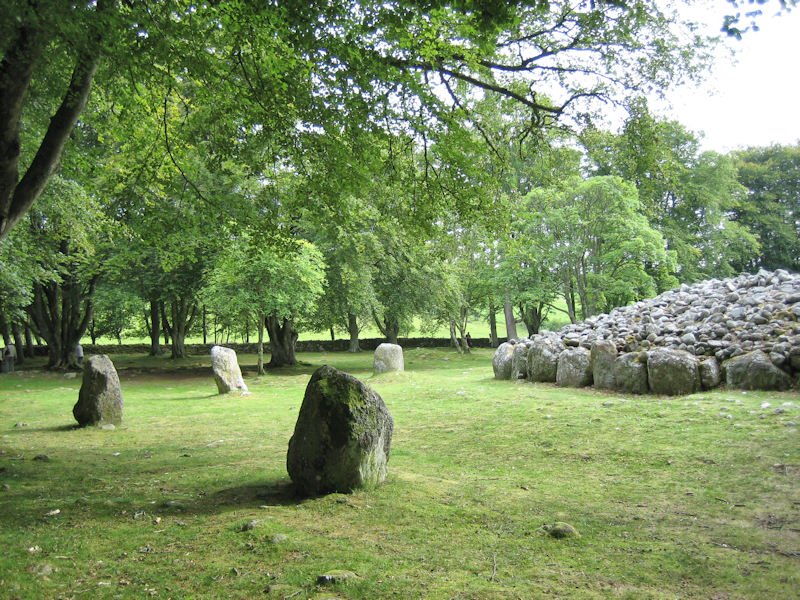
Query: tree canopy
<point>275,73</point>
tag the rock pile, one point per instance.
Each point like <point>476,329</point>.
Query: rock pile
<point>744,331</point>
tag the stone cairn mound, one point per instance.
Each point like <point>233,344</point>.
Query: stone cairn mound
<point>742,331</point>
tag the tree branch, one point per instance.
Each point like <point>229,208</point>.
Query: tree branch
<point>61,125</point>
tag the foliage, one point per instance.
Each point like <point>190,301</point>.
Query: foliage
<point>772,208</point>
<point>592,238</point>
<point>688,196</point>
<point>270,74</point>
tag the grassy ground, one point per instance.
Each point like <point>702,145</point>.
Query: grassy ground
<point>691,497</point>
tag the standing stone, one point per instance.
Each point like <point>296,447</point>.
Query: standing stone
<point>388,357</point>
<point>672,372</point>
<point>755,371</point>
<point>342,436</point>
<point>100,398</point>
<point>630,373</point>
<point>543,358</point>
<point>574,368</point>
<point>226,370</point>
<point>502,361</point>
<point>603,355</point>
<point>519,361</point>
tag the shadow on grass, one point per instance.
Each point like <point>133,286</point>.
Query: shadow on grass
<point>281,492</point>
<point>54,429</point>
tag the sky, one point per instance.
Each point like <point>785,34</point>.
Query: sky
<point>752,99</point>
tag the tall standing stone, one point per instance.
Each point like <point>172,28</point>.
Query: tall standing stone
<point>342,436</point>
<point>100,397</point>
<point>226,369</point>
<point>388,357</point>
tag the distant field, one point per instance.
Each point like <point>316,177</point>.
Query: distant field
<point>689,497</point>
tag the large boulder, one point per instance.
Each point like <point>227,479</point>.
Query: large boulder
<point>755,371</point>
<point>226,369</point>
<point>574,368</point>
<point>672,372</point>
<point>388,357</point>
<point>709,373</point>
<point>502,361</point>
<point>519,360</point>
<point>543,357</point>
<point>342,436</point>
<point>603,355</point>
<point>100,397</point>
<point>630,373</point>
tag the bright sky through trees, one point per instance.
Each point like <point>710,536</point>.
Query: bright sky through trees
<point>752,99</point>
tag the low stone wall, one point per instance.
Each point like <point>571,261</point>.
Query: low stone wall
<point>340,345</point>
<point>743,332</point>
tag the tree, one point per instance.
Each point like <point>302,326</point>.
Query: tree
<point>276,288</point>
<point>115,308</point>
<point>64,242</point>
<point>272,72</point>
<point>688,196</point>
<point>594,242</point>
<point>771,208</point>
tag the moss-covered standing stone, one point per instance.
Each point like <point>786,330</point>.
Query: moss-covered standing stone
<point>100,398</point>
<point>342,436</point>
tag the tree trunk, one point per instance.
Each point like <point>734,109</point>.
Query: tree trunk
<point>261,319</point>
<point>511,326</point>
<point>587,303</point>
<point>533,317</point>
<point>93,332</point>
<point>29,345</point>
<point>183,311</point>
<point>463,318</point>
<point>61,312</point>
<point>165,327</point>
<point>282,339</point>
<point>353,330</point>
<point>569,298</point>
<point>22,55</point>
<point>388,326</point>
<point>205,328</point>
<point>155,328</point>
<point>18,343</point>
<point>5,331</point>
<point>493,341</point>
<point>454,341</point>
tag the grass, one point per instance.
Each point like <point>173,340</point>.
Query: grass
<point>691,497</point>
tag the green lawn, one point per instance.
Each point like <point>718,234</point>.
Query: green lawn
<point>691,497</point>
